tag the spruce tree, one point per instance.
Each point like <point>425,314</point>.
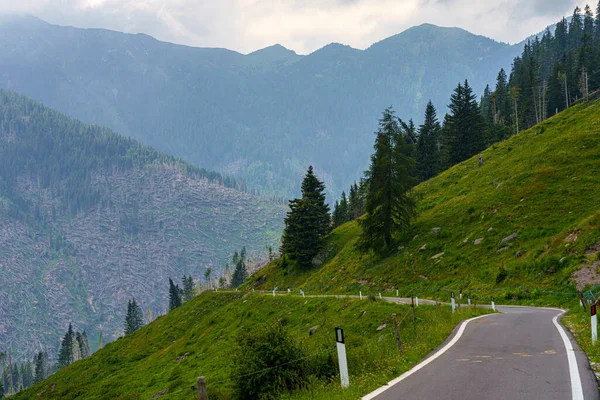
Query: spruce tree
<point>134,319</point>
<point>463,132</point>
<point>307,223</point>
<point>40,361</point>
<point>239,274</point>
<point>84,347</point>
<point>174,295</point>
<point>188,288</point>
<point>428,149</point>
<point>65,354</point>
<point>389,207</point>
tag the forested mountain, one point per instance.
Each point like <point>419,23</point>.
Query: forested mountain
<point>264,116</point>
<point>90,219</point>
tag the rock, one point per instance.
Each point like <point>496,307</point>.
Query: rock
<point>381,327</point>
<point>312,330</point>
<point>522,199</point>
<point>478,241</point>
<point>435,230</point>
<point>415,238</point>
<point>519,254</point>
<point>437,256</point>
<point>423,248</point>
<point>400,248</point>
<point>502,249</point>
<point>363,314</point>
<point>491,229</point>
<point>499,186</point>
<point>380,338</point>
<point>480,160</point>
<point>509,238</point>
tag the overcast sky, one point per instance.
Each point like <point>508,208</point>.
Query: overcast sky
<point>301,25</point>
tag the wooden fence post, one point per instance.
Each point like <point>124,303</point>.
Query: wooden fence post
<point>202,393</point>
<point>412,300</point>
<point>398,341</point>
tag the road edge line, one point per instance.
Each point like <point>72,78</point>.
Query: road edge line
<point>576,387</point>
<point>425,362</point>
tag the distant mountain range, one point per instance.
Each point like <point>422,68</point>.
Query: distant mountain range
<point>264,116</point>
<point>89,219</point>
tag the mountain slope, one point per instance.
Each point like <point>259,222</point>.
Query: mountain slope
<point>526,222</point>
<point>89,219</point>
<point>264,116</point>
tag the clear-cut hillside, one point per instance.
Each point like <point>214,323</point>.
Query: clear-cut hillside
<point>89,219</point>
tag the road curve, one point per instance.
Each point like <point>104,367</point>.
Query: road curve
<point>518,354</point>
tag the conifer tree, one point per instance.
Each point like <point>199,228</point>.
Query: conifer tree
<point>174,295</point>
<point>341,212</point>
<point>134,319</point>
<point>389,208</point>
<point>65,354</point>
<point>307,223</point>
<point>239,274</point>
<point>188,288</point>
<point>428,151</point>
<point>40,361</point>
<point>208,273</point>
<point>84,347</point>
<point>26,374</point>
<point>463,132</point>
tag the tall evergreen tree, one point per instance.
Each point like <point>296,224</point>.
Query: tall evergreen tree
<point>134,319</point>
<point>463,132</point>
<point>307,223</point>
<point>84,347</point>
<point>239,273</point>
<point>188,288</point>
<point>389,208</point>
<point>428,149</point>
<point>341,212</point>
<point>174,295</point>
<point>40,361</point>
<point>26,374</point>
<point>65,354</point>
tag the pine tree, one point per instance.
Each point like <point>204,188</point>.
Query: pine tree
<point>307,223</point>
<point>389,208</point>
<point>208,273</point>
<point>65,354</point>
<point>26,374</point>
<point>40,361</point>
<point>84,347</point>
<point>341,211</point>
<point>428,151</point>
<point>463,132</point>
<point>188,288</point>
<point>575,29</point>
<point>239,274</point>
<point>174,295</point>
<point>134,319</point>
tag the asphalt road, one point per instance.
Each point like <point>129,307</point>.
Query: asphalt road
<point>518,354</point>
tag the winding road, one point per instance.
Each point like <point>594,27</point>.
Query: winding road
<point>521,353</point>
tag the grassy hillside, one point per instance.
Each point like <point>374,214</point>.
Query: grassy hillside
<point>89,219</point>
<point>519,227</point>
<point>163,359</point>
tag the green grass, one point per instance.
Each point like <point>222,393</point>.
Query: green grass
<point>543,185</point>
<point>199,339</point>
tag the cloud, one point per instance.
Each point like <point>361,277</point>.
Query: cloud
<point>302,25</point>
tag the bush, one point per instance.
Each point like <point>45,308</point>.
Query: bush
<point>261,349</point>
<point>502,275</point>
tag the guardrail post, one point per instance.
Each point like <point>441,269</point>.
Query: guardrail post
<point>341,348</point>
<point>594,324</point>
<point>493,305</point>
<point>452,301</point>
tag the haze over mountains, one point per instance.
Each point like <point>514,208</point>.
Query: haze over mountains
<point>263,116</point>
<point>89,219</point>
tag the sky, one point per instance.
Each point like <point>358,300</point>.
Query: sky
<point>301,25</point>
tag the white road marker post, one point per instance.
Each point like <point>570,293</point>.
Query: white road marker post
<point>396,292</point>
<point>360,294</point>
<point>493,305</point>
<point>469,300</point>
<point>379,295</point>
<point>460,295</point>
<point>302,291</point>
<point>594,324</point>
<point>341,348</point>
<point>453,302</point>
<point>417,301</point>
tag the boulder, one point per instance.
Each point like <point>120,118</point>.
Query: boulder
<point>509,238</point>
<point>381,327</point>
<point>312,330</point>
<point>435,230</point>
<point>437,256</point>
<point>478,241</point>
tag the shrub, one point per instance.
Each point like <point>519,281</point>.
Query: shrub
<point>501,277</point>
<point>258,352</point>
